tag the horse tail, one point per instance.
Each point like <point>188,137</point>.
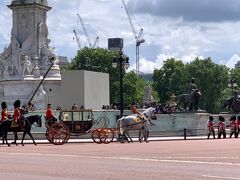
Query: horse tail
<point>121,125</point>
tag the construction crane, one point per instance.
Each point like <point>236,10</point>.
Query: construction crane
<point>77,38</point>
<point>86,34</point>
<point>138,36</point>
<point>95,42</point>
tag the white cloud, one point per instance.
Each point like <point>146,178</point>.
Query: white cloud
<point>165,37</point>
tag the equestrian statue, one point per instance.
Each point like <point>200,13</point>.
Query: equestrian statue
<point>190,100</point>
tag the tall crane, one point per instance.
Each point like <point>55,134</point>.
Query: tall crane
<point>86,34</point>
<point>95,42</point>
<point>138,36</point>
<point>77,38</point>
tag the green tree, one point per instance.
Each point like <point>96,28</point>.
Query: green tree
<point>171,78</point>
<point>133,88</point>
<point>211,79</point>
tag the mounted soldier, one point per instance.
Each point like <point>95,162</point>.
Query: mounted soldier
<point>138,114</point>
<point>4,114</point>
<point>17,118</point>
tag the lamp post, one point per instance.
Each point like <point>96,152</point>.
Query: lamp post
<point>123,63</point>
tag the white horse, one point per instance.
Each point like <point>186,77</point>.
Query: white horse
<point>133,122</point>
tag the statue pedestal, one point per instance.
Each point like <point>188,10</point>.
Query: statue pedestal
<point>23,88</point>
<point>194,123</point>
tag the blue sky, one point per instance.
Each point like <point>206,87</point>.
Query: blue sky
<point>183,29</point>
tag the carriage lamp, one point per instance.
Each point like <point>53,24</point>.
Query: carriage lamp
<point>123,63</point>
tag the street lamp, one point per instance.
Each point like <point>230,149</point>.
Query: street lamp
<point>122,62</point>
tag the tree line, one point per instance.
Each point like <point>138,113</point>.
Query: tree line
<point>173,78</point>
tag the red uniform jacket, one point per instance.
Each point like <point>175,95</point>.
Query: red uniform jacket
<point>4,115</point>
<point>233,125</point>
<point>238,123</point>
<point>49,113</point>
<point>221,125</point>
<point>210,125</point>
<point>16,115</point>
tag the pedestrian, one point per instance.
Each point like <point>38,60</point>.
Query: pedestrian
<point>211,127</point>
<point>74,107</point>
<point>238,125</point>
<point>233,127</point>
<point>221,127</point>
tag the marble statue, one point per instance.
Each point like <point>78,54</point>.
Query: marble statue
<point>26,64</point>
<point>26,60</point>
<point>147,97</point>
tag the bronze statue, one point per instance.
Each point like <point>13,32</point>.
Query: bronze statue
<point>190,100</point>
<point>232,103</point>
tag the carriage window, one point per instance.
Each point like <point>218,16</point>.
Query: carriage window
<point>87,116</point>
<point>77,116</point>
<point>67,116</point>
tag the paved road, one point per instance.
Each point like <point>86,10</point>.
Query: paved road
<point>160,160</point>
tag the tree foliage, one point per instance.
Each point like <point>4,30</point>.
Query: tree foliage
<point>211,79</point>
<point>170,79</point>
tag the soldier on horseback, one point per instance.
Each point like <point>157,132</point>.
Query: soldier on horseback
<point>18,119</point>
<point>141,116</point>
<point>4,114</point>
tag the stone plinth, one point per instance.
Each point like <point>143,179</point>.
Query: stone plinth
<point>24,89</point>
<point>26,60</point>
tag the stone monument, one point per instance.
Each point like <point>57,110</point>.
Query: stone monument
<point>25,61</point>
<point>147,97</point>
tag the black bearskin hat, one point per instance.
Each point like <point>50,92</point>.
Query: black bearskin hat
<point>16,104</point>
<point>4,105</point>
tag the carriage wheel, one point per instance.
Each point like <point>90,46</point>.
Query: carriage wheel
<point>107,135</point>
<point>58,134</point>
<point>96,136</point>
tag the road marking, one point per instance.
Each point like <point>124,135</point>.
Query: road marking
<point>221,177</point>
<point>127,158</point>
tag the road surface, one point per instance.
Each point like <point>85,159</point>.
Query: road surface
<point>160,160</point>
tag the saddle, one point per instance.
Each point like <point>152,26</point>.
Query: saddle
<point>19,124</point>
<point>139,119</point>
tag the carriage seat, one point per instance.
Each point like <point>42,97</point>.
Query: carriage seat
<point>49,121</point>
